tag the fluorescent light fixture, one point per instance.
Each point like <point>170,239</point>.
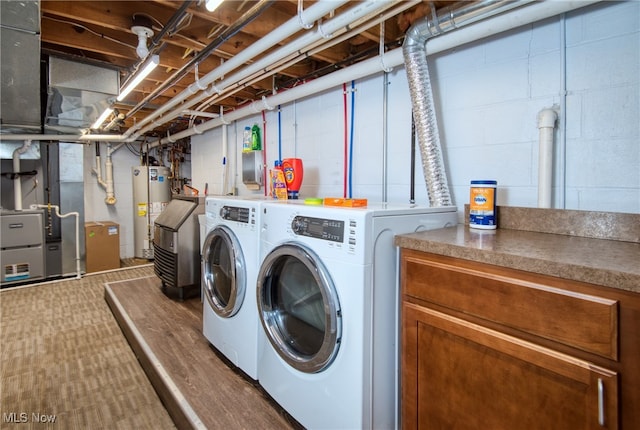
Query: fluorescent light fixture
<point>144,72</point>
<point>212,5</point>
<point>102,118</point>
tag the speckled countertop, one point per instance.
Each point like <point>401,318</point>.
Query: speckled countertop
<point>601,261</point>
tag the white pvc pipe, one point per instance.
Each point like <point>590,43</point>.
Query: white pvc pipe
<point>192,112</point>
<point>17,181</point>
<point>108,165</point>
<point>225,156</point>
<point>313,13</point>
<point>70,137</point>
<point>323,31</point>
<point>68,214</point>
<point>98,172</point>
<point>308,51</point>
<point>473,32</point>
<point>107,182</point>
<point>516,18</point>
<point>546,124</point>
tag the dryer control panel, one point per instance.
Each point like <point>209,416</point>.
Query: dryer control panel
<point>319,228</point>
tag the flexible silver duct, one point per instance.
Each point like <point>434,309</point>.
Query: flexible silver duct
<point>415,60</point>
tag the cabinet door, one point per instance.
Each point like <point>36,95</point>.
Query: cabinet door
<point>459,375</point>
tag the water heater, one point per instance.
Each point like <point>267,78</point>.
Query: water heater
<point>151,194</point>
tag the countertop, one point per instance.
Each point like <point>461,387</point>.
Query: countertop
<point>601,261</point>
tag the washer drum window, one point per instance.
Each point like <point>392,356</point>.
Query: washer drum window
<point>299,308</point>
<point>223,272</point>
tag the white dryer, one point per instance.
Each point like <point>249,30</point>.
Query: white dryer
<point>230,261</point>
<point>328,302</point>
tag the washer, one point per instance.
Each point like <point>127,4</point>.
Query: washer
<point>230,261</point>
<point>328,300</point>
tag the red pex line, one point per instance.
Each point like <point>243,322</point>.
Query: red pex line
<point>264,152</point>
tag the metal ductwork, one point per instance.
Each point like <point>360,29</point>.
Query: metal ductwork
<point>415,59</point>
<point>20,72</point>
<point>77,94</point>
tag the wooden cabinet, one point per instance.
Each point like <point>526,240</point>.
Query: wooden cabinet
<point>495,348</point>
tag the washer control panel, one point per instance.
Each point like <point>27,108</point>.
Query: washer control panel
<point>234,213</point>
<point>318,228</point>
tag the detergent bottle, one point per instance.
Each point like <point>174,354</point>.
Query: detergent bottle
<point>278,184</point>
<point>246,139</point>
<point>293,174</point>
<point>256,138</point>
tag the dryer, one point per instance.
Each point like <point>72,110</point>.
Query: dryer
<point>328,300</point>
<point>230,261</point>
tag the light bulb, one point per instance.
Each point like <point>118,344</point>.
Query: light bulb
<point>212,5</point>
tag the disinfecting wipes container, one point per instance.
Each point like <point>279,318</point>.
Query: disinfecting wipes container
<point>482,205</point>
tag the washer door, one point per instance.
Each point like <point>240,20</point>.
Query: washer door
<point>223,272</point>
<point>299,308</point>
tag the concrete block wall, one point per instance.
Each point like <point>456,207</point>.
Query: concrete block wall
<point>487,96</point>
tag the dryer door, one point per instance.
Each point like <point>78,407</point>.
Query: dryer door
<point>223,272</point>
<point>299,308</point>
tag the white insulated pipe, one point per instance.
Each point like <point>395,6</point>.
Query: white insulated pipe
<point>323,31</point>
<point>546,125</point>
<point>308,51</point>
<point>292,26</point>
<point>509,20</point>
<point>17,182</point>
<point>68,214</point>
<point>512,19</point>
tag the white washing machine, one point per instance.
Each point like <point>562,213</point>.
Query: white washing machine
<point>230,261</point>
<point>328,302</point>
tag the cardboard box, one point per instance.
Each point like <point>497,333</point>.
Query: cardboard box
<point>102,245</point>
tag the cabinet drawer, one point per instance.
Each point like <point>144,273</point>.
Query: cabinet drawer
<point>546,309</point>
<point>462,375</point>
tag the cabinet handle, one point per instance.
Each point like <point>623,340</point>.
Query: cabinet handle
<point>600,402</point>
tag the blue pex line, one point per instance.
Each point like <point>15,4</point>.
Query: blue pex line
<point>353,103</point>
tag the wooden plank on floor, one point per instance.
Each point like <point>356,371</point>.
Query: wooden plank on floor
<point>197,386</point>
